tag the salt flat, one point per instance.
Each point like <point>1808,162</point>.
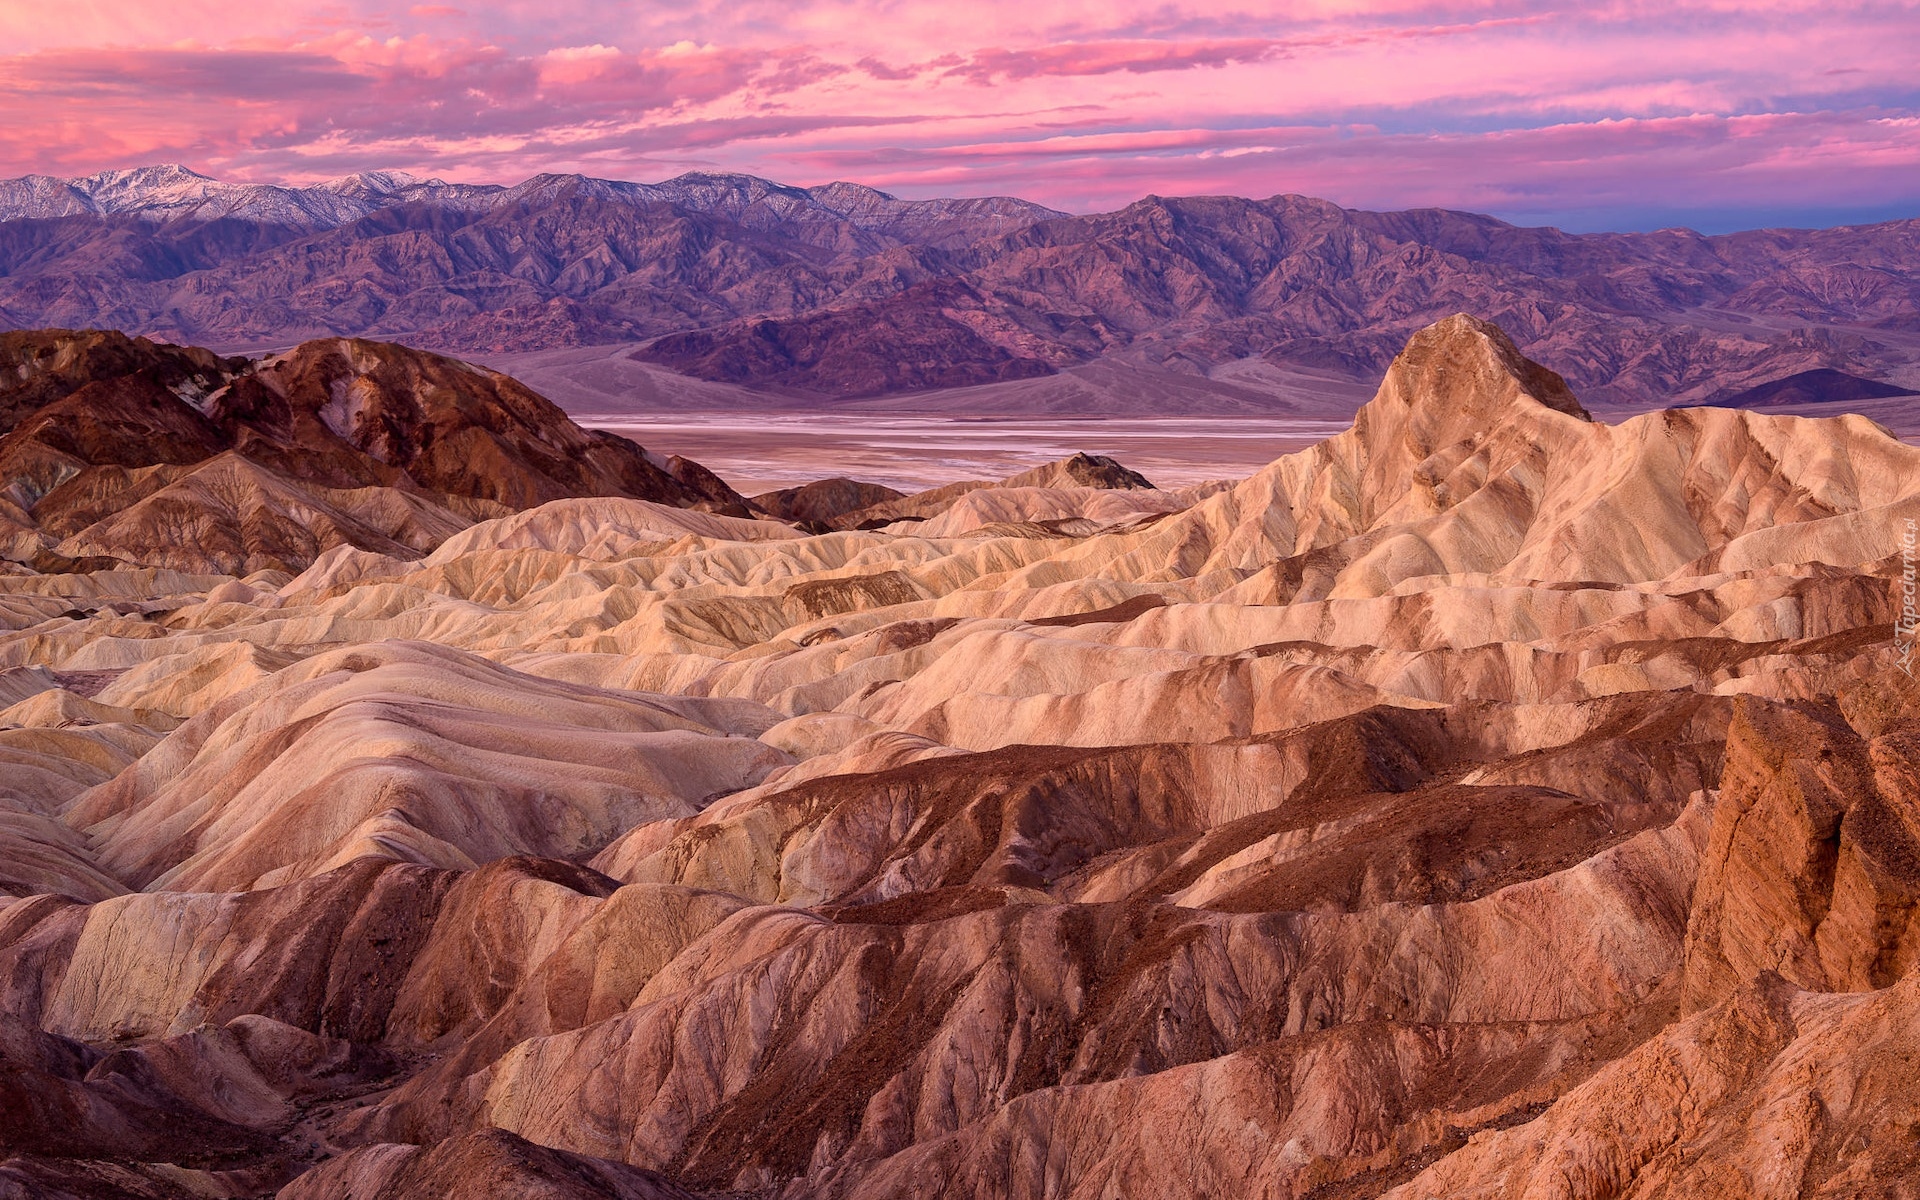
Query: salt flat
<point>758,452</point>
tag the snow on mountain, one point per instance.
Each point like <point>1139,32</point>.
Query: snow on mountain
<point>169,192</point>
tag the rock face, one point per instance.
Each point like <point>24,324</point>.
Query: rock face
<point>1813,867</point>
<point>843,291</point>
<point>1488,801</point>
<point>129,451</point>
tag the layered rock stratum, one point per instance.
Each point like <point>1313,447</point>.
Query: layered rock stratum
<point>1488,801</point>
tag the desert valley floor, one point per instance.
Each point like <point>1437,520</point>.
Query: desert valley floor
<point>763,452</point>
<point>405,792</point>
<point>1176,429</point>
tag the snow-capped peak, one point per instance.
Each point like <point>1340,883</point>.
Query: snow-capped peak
<point>167,192</point>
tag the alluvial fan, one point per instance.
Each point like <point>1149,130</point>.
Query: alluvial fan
<point>407,793</point>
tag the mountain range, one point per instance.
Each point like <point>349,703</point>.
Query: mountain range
<point>840,291</point>
<point>171,193</point>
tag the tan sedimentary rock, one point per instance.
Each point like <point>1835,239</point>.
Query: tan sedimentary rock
<point>413,752</point>
<point>1488,801</point>
<point>1772,1092</point>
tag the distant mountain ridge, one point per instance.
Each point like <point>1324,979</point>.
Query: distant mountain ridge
<point>842,291</point>
<point>1821,386</point>
<point>171,192</point>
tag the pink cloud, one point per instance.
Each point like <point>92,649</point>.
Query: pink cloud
<point>1103,58</point>
<point>1491,104</point>
<point>346,88</point>
<point>1814,161</point>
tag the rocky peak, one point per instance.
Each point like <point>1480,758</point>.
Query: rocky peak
<point>1457,381</point>
<point>1463,366</point>
<point>164,183</point>
<point>1459,406</point>
<point>1082,470</point>
<point>726,187</point>
<point>841,196</point>
<point>375,183</point>
<point>39,367</point>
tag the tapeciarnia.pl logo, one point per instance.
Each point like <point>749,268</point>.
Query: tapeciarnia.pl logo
<point>1905,624</point>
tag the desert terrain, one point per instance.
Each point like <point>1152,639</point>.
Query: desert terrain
<point>408,792</point>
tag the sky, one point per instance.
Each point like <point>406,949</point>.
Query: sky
<point>1716,115</point>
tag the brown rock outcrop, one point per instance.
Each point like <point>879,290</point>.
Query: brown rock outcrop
<point>125,450</point>
<point>1080,470</point>
<point>1771,1093</point>
<point>1813,870</point>
<point>449,426</point>
<point>39,367</point>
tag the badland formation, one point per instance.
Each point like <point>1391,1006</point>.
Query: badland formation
<point>406,792</point>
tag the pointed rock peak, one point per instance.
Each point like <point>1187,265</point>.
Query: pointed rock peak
<point>1459,385</point>
<point>375,183</point>
<point>1081,470</point>
<point>1463,367</point>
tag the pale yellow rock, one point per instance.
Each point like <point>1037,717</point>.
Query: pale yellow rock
<point>59,708</point>
<point>273,783</point>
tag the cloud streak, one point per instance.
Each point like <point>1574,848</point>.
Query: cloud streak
<point>1595,115</point>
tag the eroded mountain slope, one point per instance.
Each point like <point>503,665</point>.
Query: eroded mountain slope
<point>1486,801</point>
<point>119,450</point>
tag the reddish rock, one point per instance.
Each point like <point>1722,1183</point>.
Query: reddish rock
<point>122,450</point>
